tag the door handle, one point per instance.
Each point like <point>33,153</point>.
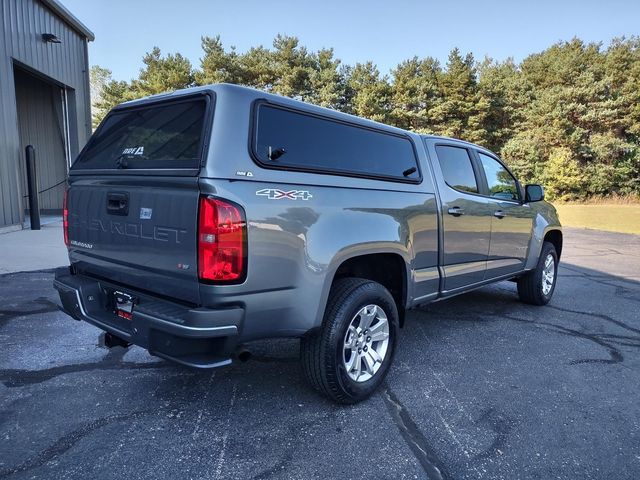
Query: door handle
<point>118,203</point>
<point>499,214</point>
<point>455,211</point>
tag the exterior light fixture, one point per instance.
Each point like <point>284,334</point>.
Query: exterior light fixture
<point>50,38</point>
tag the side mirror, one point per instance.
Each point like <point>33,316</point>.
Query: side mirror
<point>534,193</point>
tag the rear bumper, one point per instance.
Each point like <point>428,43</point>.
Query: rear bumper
<point>197,337</point>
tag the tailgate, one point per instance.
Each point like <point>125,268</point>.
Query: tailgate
<point>137,231</point>
<point>133,196</point>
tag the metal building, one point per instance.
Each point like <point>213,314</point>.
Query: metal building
<point>44,102</point>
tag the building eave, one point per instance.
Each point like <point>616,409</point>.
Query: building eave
<point>61,11</point>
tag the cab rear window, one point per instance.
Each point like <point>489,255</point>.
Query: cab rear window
<point>163,135</point>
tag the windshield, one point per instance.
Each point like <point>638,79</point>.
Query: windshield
<point>163,135</point>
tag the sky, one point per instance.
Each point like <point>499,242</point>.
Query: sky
<point>385,32</point>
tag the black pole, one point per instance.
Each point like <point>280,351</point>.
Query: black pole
<point>34,208</point>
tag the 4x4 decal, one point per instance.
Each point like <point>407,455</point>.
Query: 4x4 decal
<point>277,194</point>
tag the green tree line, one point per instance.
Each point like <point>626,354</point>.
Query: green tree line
<point>567,117</point>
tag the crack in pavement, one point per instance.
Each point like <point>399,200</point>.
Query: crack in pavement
<point>500,425</point>
<point>47,307</point>
<point>415,439</point>
<point>112,361</point>
<point>289,450</point>
<point>615,354</point>
<point>66,442</point>
<point>619,291</point>
<point>602,316</point>
<point>605,340</point>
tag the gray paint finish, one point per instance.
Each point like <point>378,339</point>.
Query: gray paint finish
<point>294,246</point>
<point>65,64</point>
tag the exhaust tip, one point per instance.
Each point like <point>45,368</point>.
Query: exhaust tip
<point>243,354</point>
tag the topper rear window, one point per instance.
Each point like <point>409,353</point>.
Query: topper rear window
<point>152,136</point>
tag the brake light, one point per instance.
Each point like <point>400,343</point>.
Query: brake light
<point>65,218</point>
<point>222,231</point>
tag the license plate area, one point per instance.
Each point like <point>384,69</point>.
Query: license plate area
<point>123,304</point>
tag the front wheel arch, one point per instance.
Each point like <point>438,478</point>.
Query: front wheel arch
<point>555,238</point>
<point>531,288</point>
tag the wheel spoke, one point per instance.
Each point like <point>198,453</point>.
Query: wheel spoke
<point>367,316</point>
<point>374,355</point>
<point>548,274</point>
<point>377,331</point>
<point>357,367</point>
<point>369,363</point>
<point>350,364</point>
<point>350,340</point>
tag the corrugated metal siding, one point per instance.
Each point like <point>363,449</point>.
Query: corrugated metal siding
<point>40,118</point>
<point>23,23</point>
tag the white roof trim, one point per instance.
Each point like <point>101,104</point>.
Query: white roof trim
<point>62,12</point>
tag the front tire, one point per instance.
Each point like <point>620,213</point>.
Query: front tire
<point>351,354</point>
<point>537,286</point>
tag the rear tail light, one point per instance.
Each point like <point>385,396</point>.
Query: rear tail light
<point>222,234</point>
<point>65,218</point>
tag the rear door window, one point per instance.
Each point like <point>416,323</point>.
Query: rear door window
<point>457,168</point>
<point>288,139</point>
<point>162,135</point>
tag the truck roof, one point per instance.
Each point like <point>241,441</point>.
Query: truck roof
<point>224,89</point>
<point>457,140</point>
<point>227,89</point>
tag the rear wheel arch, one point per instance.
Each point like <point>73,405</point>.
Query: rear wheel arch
<point>387,269</point>
<point>334,356</point>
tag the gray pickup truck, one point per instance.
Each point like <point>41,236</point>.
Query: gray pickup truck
<point>203,219</point>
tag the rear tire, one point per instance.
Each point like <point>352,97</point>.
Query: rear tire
<point>360,328</point>
<point>537,286</point>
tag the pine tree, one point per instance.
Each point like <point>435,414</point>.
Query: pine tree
<point>113,93</point>
<point>98,78</point>
<point>368,93</point>
<point>498,89</point>
<point>462,112</point>
<point>293,68</point>
<point>218,65</point>
<point>163,74</point>
<point>415,92</point>
<point>327,81</point>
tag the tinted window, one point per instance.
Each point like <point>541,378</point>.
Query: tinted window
<point>457,168</point>
<point>288,139</point>
<point>157,136</point>
<point>500,182</point>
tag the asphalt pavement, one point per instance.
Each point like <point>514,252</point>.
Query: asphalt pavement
<point>482,387</point>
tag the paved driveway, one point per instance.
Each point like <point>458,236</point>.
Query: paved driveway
<point>482,387</point>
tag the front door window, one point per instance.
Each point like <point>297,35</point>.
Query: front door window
<point>500,182</point>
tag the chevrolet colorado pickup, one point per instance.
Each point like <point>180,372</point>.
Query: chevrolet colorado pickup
<point>200,220</point>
